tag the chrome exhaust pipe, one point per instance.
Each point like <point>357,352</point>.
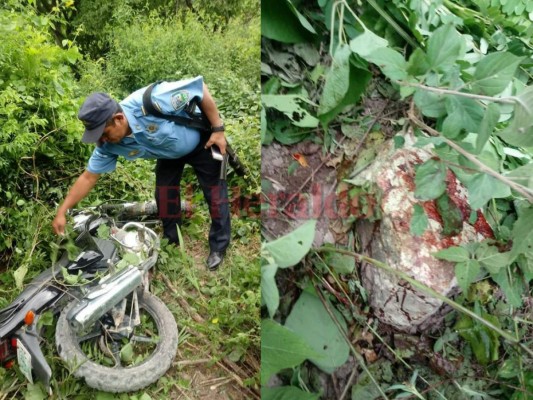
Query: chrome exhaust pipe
<point>109,292</point>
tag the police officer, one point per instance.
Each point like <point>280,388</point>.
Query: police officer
<point>124,129</point>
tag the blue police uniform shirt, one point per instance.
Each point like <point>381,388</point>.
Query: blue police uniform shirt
<point>152,137</point>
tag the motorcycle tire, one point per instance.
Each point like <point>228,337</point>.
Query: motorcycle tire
<point>122,379</point>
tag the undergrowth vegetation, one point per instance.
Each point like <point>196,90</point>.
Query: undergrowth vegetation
<point>463,74</point>
<point>51,58</point>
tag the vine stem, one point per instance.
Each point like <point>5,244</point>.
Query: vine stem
<point>426,289</point>
<point>527,193</point>
<point>503,100</point>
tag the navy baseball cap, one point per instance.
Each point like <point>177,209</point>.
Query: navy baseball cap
<point>94,113</point>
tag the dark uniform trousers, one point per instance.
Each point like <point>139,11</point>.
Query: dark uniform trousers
<point>168,176</point>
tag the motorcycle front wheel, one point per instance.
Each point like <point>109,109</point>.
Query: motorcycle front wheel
<point>121,365</point>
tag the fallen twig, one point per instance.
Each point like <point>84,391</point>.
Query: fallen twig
<point>181,300</point>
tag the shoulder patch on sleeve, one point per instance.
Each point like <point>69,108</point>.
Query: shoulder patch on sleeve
<point>179,99</point>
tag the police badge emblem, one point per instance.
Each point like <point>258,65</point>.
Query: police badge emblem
<point>179,99</point>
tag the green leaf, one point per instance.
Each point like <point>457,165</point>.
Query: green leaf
<point>445,46</point>
<point>418,63</point>
<point>452,216</point>
<point>310,320</point>
<point>419,220</point>
<point>509,369</point>
<point>287,393</point>
<point>280,348</point>
<point>489,121</point>
<point>429,180</point>
<point>491,259</point>
<point>522,233</point>
<point>483,187</point>
<point>483,341</point>
<point>511,285</point>
<point>34,391</point>
<point>126,353</point>
<point>291,106</point>
<point>269,289</point>
<point>288,250</point>
<point>366,43</point>
<point>103,232</point>
<point>337,80</point>
<point>282,22</point>
<point>20,274</point>
<point>391,63</point>
<point>430,104</point>
<point>466,272</point>
<point>454,254</point>
<point>341,263</point>
<point>520,132</point>
<point>494,72</point>
<point>358,82</point>
<point>522,175</point>
<point>463,114</point>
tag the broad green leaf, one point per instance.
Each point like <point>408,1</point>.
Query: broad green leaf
<point>366,43</point>
<point>452,216</point>
<point>418,63</point>
<point>269,289</point>
<point>419,220</point>
<point>34,391</point>
<point>430,104</point>
<point>341,263</point>
<point>288,250</point>
<point>463,114</point>
<point>287,393</point>
<point>281,348</point>
<point>491,259</point>
<point>511,285</point>
<point>445,46</point>
<point>19,275</point>
<point>310,320</point>
<point>391,63</point>
<point>358,81</point>
<point>523,233</point>
<point>303,21</point>
<point>126,353</point>
<point>483,187</point>
<point>454,254</point>
<point>284,132</point>
<point>466,272</point>
<point>509,369</point>
<point>429,180</point>
<point>291,106</point>
<point>494,72</point>
<point>337,80</point>
<point>489,121</point>
<point>483,341</point>
<point>522,175</point>
<point>520,131</point>
<point>282,22</point>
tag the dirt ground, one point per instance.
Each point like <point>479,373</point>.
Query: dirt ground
<point>196,367</point>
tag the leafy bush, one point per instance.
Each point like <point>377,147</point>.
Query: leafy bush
<point>40,133</point>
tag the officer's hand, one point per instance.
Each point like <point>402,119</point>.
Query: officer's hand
<point>59,223</point>
<point>219,139</point>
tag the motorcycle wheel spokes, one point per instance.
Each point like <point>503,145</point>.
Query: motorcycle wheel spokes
<point>116,350</point>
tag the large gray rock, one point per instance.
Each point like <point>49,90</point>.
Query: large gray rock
<point>389,240</point>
